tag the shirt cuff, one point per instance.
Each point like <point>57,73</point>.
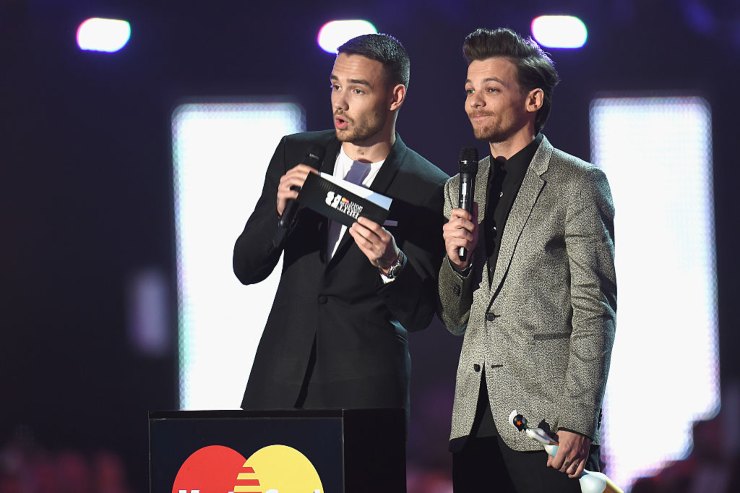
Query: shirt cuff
<point>462,273</point>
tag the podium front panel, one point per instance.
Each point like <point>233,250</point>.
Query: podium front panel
<point>277,452</point>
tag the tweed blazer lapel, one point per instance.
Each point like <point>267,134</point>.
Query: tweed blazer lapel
<point>480,194</point>
<point>480,197</point>
<point>520,211</point>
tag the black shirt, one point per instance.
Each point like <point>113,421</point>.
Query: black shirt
<point>504,181</point>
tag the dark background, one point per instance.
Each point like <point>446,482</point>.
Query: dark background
<point>86,172</point>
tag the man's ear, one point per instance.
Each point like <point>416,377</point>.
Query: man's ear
<point>535,100</point>
<point>399,96</point>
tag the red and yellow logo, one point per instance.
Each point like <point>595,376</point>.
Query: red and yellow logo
<point>271,469</point>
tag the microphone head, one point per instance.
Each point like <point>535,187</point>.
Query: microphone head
<point>314,156</point>
<point>469,160</point>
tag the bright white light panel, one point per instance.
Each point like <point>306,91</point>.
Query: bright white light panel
<point>220,154</point>
<point>106,35</point>
<point>334,34</point>
<point>657,155</point>
<point>559,31</point>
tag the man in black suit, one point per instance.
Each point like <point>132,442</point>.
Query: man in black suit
<point>336,336</point>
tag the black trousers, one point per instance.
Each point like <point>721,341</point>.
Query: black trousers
<point>488,465</point>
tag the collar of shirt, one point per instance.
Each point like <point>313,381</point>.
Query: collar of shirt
<point>344,164</point>
<point>516,166</point>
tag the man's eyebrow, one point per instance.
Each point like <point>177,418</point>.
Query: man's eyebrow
<point>361,82</point>
<point>487,79</point>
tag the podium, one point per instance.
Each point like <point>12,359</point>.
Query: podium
<point>289,451</point>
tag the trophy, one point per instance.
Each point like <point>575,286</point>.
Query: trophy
<point>590,481</point>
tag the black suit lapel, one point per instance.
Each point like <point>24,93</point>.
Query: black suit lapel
<point>327,166</point>
<point>330,157</point>
<point>390,167</point>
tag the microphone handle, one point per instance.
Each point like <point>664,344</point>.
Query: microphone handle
<point>313,159</point>
<point>465,202</point>
<point>285,222</point>
<point>288,214</point>
<point>463,254</point>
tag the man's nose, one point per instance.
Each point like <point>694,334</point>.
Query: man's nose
<point>339,102</point>
<point>476,101</point>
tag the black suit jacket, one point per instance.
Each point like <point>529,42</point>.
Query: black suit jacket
<point>358,325</point>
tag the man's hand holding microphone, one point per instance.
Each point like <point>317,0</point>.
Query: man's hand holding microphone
<point>461,231</point>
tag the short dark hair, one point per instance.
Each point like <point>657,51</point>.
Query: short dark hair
<point>535,69</point>
<point>385,49</point>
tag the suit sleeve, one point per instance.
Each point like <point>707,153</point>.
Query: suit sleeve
<point>589,240</point>
<point>411,297</point>
<point>455,292</point>
<point>254,254</point>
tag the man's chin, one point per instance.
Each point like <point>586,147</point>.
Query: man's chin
<point>351,137</point>
<point>488,135</point>
<point>482,134</point>
<point>343,135</point>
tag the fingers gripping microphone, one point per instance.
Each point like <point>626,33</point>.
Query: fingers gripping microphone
<point>313,158</point>
<point>468,170</point>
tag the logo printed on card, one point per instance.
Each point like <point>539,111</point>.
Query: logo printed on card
<point>343,204</point>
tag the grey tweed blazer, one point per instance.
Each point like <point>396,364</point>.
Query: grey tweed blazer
<point>544,329</point>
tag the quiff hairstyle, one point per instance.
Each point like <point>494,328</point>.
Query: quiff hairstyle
<point>535,69</point>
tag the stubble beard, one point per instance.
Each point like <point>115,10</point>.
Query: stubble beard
<point>360,133</point>
<point>488,133</point>
<point>493,133</point>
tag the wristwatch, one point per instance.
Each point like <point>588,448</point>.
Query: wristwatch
<point>397,266</point>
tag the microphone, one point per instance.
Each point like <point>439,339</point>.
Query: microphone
<point>313,158</point>
<point>468,170</point>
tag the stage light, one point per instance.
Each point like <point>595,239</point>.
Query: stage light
<point>664,229</point>
<point>220,153</point>
<point>334,34</point>
<point>107,35</point>
<point>559,31</point>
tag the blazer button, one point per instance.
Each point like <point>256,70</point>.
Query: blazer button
<point>476,367</point>
<point>490,316</point>
<point>322,300</point>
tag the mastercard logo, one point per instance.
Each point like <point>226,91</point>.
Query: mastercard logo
<point>271,469</point>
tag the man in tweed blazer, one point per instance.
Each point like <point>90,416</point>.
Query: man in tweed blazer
<point>535,297</point>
